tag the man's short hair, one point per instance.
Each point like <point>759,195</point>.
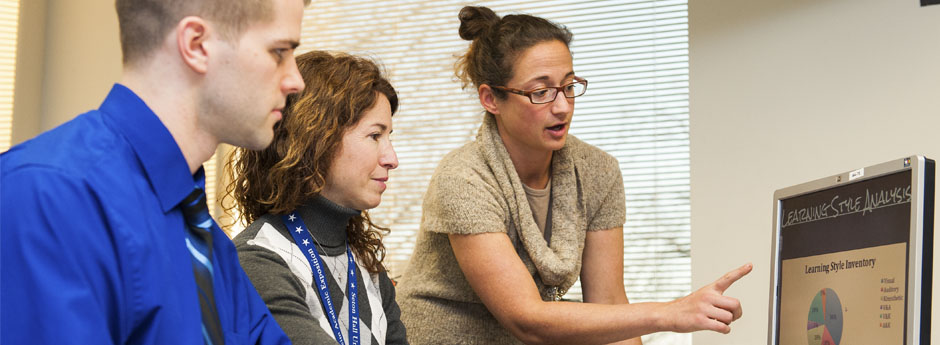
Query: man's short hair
<point>144,24</point>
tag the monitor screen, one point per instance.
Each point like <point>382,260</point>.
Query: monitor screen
<point>844,257</point>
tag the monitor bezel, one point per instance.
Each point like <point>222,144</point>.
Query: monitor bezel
<point>920,263</point>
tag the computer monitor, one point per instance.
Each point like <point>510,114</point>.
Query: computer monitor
<point>852,257</point>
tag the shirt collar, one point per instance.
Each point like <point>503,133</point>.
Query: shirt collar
<point>157,151</point>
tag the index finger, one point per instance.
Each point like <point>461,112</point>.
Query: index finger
<point>729,278</point>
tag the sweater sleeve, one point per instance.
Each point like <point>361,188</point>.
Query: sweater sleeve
<point>283,293</point>
<point>396,329</point>
<point>611,209</point>
<point>463,198</point>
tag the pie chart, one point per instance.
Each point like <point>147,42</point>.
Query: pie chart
<point>825,319</point>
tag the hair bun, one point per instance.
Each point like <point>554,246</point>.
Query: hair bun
<point>475,20</point>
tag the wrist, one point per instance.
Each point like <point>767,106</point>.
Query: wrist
<point>663,320</point>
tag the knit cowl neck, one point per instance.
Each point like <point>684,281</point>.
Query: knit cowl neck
<point>558,265</point>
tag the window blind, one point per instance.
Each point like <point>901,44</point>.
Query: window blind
<point>635,55</point>
<point>9,16</point>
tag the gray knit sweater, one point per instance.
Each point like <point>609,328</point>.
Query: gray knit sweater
<point>476,189</point>
<point>283,277</point>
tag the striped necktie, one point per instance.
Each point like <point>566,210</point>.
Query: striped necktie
<point>199,242</point>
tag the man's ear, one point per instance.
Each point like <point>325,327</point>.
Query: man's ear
<point>488,99</point>
<point>191,36</point>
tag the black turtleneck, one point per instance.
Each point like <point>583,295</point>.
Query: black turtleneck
<point>327,222</point>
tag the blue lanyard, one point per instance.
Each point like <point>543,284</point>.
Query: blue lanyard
<point>303,240</point>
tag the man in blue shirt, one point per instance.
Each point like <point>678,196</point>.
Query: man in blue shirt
<point>94,245</point>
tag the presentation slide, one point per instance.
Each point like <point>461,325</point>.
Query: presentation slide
<point>850,297</point>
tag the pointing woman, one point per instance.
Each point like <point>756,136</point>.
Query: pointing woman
<point>513,219</point>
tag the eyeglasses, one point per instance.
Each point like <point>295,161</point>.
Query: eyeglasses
<point>544,95</point>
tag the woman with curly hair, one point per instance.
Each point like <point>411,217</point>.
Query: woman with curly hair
<point>311,250</point>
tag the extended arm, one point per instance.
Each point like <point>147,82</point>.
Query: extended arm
<point>602,270</point>
<point>499,277</point>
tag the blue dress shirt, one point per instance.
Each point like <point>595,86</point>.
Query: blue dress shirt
<point>92,241</point>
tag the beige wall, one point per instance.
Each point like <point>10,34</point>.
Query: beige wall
<point>83,58</point>
<point>788,91</point>
<point>69,56</point>
<point>28,86</point>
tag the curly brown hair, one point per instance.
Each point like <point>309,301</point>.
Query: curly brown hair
<point>293,169</point>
